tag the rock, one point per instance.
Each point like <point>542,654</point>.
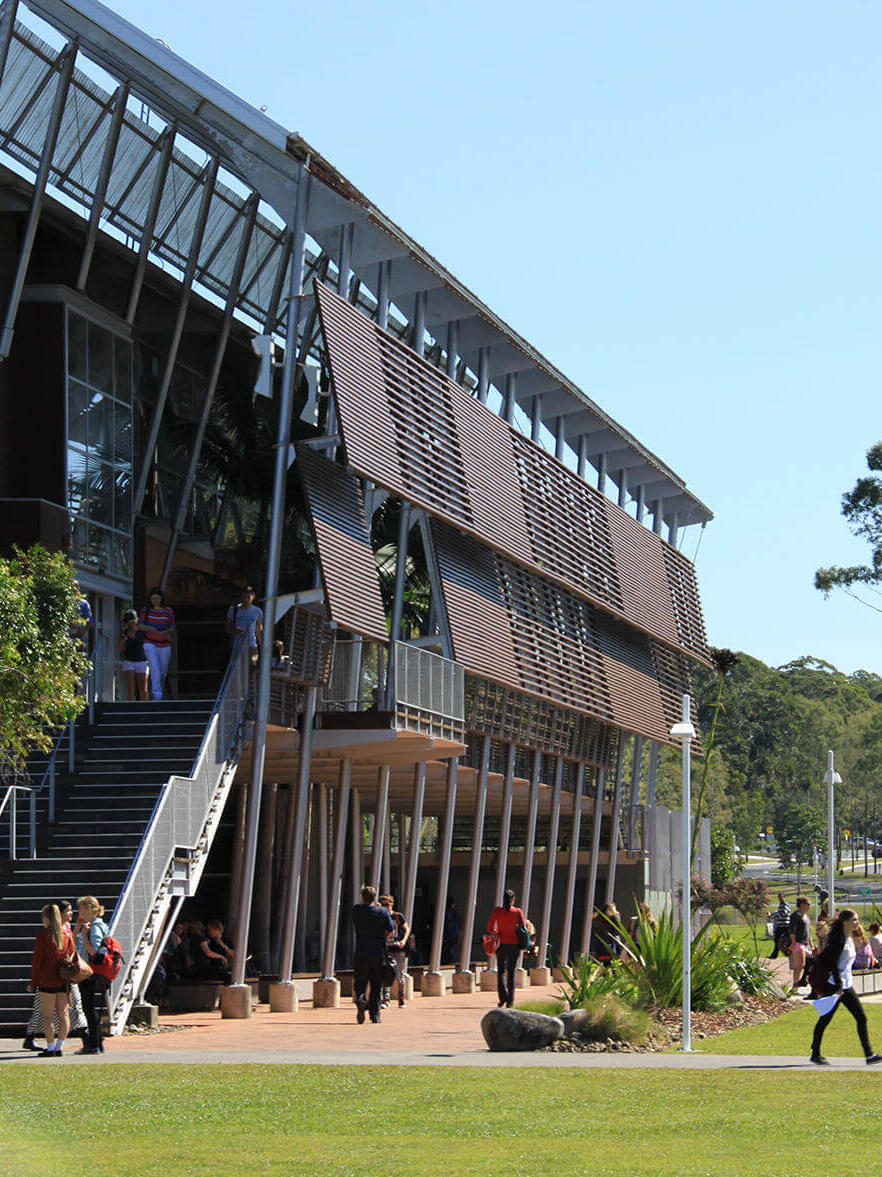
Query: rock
<point>734,997</point>
<point>517,1029</point>
<point>573,1022</point>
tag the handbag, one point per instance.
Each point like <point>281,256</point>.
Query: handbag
<point>491,943</point>
<point>525,940</point>
<point>387,973</point>
<point>74,969</point>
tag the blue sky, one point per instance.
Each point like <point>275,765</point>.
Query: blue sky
<point>678,204</point>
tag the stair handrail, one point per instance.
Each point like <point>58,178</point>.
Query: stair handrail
<point>178,820</point>
<point>9,796</point>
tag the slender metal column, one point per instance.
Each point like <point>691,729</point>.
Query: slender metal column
<point>658,517</point>
<point>384,278</point>
<point>582,467</point>
<point>591,886</point>
<point>65,64</point>
<point>674,530</point>
<point>444,866</point>
<point>387,855</point>
<point>602,470</point>
<point>220,351</point>
<point>402,856</point>
<point>573,867</point>
<point>505,824</point>
<point>166,147</point>
<point>397,606</point>
<point>560,440</point>
<point>536,420</point>
<point>614,825</point>
<point>357,846</point>
<point>286,956</point>
<point>210,175</point>
<point>322,845</point>
<point>550,862</point>
<point>636,781</point>
<point>652,772</point>
<point>332,921</point>
<point>530,842</point>
<point>272,582</point>
<point>419,323</point>
<point>7,28</point>
<point>381,821</point>
<point>344,259</point>
<point>416,826</point>
<point>468,923</point>
<point>301,928</point>
<point>452,347</point>
<point>508,406</point>
<point>483,374</point>
<point>641,503</point>
<point>623,487</point>
<point>120,98</point>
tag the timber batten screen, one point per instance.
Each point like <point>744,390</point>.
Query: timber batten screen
<point>414,431</point>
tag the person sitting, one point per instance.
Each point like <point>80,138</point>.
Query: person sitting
<point>217,957</point>
<point>281,661</point>
<point>864,957</point>
<point>876,942</point>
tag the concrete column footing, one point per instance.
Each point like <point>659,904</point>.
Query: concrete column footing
<point>521,979</point>
<point>236,1001</point>
<point>540,976</point>
<point>463,982</point>
<point>433,985</point>
<point>326,993</point>
<point>283,997</point>
<point>488,980</point>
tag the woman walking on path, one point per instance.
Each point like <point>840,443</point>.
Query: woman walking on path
<point>504,923</point>
<point>838,957</point>
<point>77,1018</point>
<point>91,932</point>
<point>157,622</point>
<point>53,946</point>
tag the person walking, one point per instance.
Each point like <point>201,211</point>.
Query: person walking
<point>91,932</point>
<point>372,925</point>
<point>54,944</point>
<point>246,617</point>
<point>157,622</point>
<point>397,946</point>
<point>780,926</point>
<point>504,922</point>
<point>134,657</point>
<point>77,1017</point>
<point>838,957</point>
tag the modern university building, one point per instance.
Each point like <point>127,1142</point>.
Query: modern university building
<point>221,364</point>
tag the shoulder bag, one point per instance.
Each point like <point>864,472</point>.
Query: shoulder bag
<point>525,940</point>
<point>74,969</point>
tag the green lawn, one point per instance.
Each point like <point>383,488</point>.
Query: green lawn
<point>791,1034</point>
<point>185,1121</point>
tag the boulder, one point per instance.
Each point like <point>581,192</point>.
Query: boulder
<point>518,1029</point>
<point>573,1022</point>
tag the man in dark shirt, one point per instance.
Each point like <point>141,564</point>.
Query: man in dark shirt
<point>372,927</point>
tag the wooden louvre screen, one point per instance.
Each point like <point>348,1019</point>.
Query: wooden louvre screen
<point>525,632</point>
<point>413,430</point>
<point>343,545</point>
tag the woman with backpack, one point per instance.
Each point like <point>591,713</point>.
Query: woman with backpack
<point>838,959</point>
<point>506,922</point>
<point>91,932</point>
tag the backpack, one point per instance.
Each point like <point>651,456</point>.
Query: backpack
<point>105,963</point>
<point>819,976</point>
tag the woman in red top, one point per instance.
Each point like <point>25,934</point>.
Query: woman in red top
<point>504,922</point>
<point>54,944</point>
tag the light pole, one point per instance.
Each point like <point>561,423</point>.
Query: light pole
<point>831,778</point>
<point>685,733</point>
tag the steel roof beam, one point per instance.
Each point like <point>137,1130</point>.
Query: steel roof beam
<point>120,99</point>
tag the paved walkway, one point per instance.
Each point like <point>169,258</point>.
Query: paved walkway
<point>429,1032</point>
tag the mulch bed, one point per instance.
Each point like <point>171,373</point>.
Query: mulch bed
<point>753,1011</point>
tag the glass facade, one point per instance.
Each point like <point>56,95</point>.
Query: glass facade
<point>99,446</point>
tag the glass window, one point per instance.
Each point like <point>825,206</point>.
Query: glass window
<point>100,358</point>
<point>122,435</point>
<point>122,370</point>
<point>101,425</point>
<point>122,508</point>
<point>77,412</point>
<point>77,481</point>
<point>77,348</point>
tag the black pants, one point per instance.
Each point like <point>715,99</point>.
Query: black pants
<point>368,982</point>
<point>506,962</point>
<point>852,1003</point>
<point>92,992</point>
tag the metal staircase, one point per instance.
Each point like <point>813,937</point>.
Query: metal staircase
<point>133,825</point>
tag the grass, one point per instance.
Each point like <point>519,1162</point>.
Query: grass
<point>366,1121</point>
<point>791,1034</point>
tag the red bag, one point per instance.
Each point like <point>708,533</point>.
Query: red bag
<point>105,963</point>
<point>491,943</point>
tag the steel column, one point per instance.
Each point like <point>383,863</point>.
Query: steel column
<point>209,177</point>
<point>614,825</point>
<point>452,347</point>
<point>65,64</point>
<point>344,259</point>
<point>641,503</point>
<point>530,842</point>
<point>387,855</point>
<point>397,606</point>
<point>332,918</point>
<point>286,956</point>
<point>658,518</point>
<point>416,825</point>
<point>602,470</point>
<point>383,281</point>
<point>536,420</point>
<point>652,772</point>
<point>280,477</point>
<point>582,466</point>
<point>560,438</point>
<point>381,821</point>
<point>483,374</point>
<point>505,824</point>
<point>591,886</point>
<point>636,781</point>
<point>419,323</point>
<point>357,846</point>
<point>572,868</point>
<point>508,403</point>
<point>468,923</point>
<point>7,28</point>
<point>623,487</point>
<point>166,147</point>
<point>220,351</point>
<point>444,866</point>
<point>120,99</point>
<point>322,840</point>
<point>674,530</point>
<point>550,863</point>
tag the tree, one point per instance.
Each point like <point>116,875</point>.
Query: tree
<point>862,508</point>
<point>40,663</point>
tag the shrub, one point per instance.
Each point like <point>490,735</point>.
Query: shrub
<point>587,979</point>
<point>609,1017</point>
<point>747,971</point>
<point>552,1008</point>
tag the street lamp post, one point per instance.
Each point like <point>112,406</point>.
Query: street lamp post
<point>831,778</point>
<point>685,733</point>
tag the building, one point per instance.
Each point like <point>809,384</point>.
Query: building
<point>165,249</point>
